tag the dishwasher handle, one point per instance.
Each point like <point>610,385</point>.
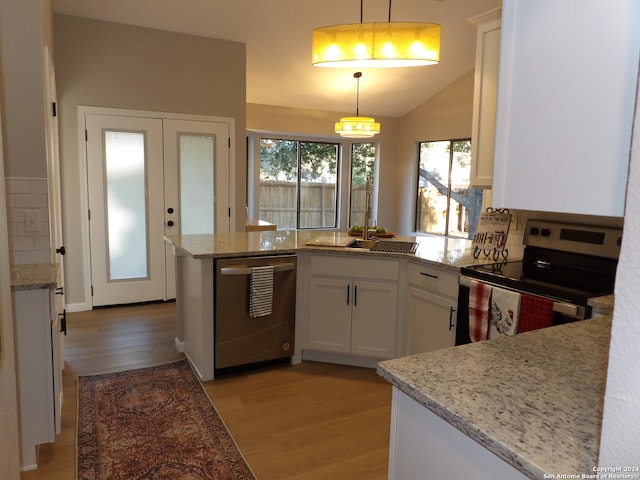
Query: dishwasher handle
<point>242,270</point>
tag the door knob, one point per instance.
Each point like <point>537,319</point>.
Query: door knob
<point>61,250</point>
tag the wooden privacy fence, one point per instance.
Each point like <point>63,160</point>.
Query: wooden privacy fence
<point>278,204</point>
<point>432,210</point>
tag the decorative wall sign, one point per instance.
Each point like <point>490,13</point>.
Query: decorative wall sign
<point>492,233</point>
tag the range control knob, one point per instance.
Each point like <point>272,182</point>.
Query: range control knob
<point>534,231</point>
<point>545,232</point>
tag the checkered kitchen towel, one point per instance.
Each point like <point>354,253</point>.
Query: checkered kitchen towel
<point>535,312</point>
<point>261,291</point>
<point>479,296</point>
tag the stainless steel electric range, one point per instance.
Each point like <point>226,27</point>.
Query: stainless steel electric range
<point>566,263</point>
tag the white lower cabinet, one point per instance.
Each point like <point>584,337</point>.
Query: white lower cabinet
<point>430,321</point>
<point>423,445</point>
<point>430,313</point>
<point>353,315</point>
<point>39,370</point>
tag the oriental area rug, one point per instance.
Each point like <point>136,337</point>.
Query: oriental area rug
<point>153,423</point>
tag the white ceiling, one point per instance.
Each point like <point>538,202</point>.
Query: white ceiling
<point>277,34</point>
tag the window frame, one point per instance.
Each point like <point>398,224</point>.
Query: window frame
<point>343,190</point>
<point>416,222</point>
<point>374,202</point>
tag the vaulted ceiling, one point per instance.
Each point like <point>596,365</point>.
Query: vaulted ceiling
<point>277,34</point>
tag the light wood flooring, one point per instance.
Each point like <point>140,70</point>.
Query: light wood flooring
<point>305,422</point>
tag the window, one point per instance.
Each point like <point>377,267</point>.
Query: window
<point>298,183</point>
<point>446,205</point>
<point>363,160</point>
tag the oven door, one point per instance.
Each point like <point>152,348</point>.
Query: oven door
<point>563,312</point>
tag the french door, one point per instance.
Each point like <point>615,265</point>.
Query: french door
<point>150,177</point>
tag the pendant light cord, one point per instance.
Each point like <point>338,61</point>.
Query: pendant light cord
<point>362,9</point>
<point>357,76</point>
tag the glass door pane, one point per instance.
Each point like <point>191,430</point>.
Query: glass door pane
<point>196,156</point>
<point>363,160</point>
<point>279,182</point>
<point>126,204</point>
<point>433,185</point>
<point>318,184</point>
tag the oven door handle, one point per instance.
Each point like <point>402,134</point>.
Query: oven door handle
<point>566,309</point>
<point>563,308</point>
<point>242,270</point>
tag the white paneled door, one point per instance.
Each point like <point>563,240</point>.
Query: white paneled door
<point>148,177</point>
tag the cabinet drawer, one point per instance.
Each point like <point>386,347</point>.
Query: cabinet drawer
<point>361,267</point>
<point>434,279</point>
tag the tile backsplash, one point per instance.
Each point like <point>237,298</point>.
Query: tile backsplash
<point>28,220</point>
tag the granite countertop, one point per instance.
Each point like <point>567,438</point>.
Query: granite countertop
<point>441,251</point>
<point>34,277</point>
<point>603,305</point>
<point>534,399</point>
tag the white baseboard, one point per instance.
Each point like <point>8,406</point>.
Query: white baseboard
<point>342,359</point>
<point>78,307</point>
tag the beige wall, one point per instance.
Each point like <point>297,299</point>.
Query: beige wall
<point>23,107</point>
<point>10,459</point>
<point>25,27</point>
<point>113,65</point>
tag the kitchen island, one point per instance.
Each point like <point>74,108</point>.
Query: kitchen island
<point>531,405</point>
<point>196,255</point>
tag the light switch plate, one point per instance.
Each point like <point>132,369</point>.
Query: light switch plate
<point>32,221</point>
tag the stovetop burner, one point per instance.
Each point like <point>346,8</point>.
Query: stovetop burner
<point>511,275</point>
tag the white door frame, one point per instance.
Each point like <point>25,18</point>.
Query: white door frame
<point>84,188</point>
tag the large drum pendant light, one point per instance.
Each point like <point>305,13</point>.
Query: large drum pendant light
<point>376,45</point>
<point>357,127</point>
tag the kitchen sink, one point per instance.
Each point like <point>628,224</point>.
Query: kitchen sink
<point>364,244</point>
<point>384,246</point>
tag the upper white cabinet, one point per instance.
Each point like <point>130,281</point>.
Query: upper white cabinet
<point>484,97</point>
<point>566,89</point>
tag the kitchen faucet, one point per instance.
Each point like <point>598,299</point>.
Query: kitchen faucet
<point>367,209</point>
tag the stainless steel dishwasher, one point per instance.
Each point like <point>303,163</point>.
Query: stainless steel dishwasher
<point>242,339</point>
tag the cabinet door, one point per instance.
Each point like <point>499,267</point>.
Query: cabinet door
<point>34,355</point>
<point>423,442</point>
<point>373,319</point>
<point>485,91</point>
<point>330,314</point>
<point>566,90</point>
<point>430,322</point>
